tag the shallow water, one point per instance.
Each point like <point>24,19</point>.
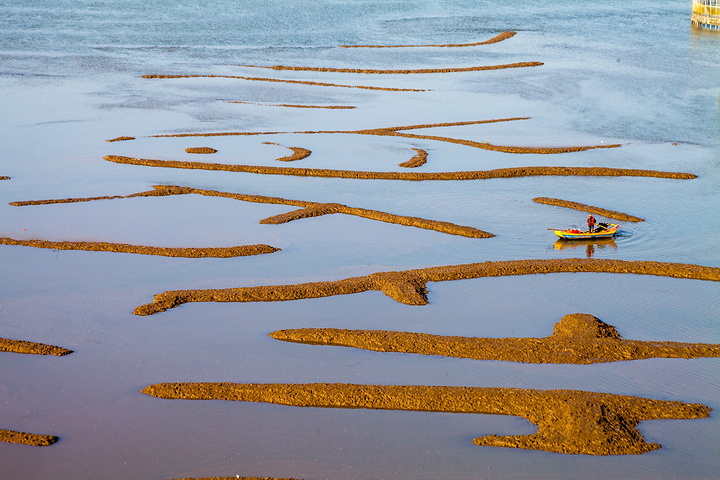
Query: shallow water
<point>613,73</point>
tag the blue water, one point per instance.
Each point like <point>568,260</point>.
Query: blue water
<point>614,72</point>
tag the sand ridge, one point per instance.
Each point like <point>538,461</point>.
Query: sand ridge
<point>418,160</point>
<point>299,153</point>
<point>477,68</point>
<point>578,339</point>
<point>569,421</point>
<point>31,348</point>
<point>201,150</point>
<point>13,436</point>
<point>497,38</point>
<point>410,286</point>
<point>187,252</point>
<point>120,139</point>
<point>307,210</point>
<point>588,208</point>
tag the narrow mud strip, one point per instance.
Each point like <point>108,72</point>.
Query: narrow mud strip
<point>4,178</point>
<point>328,107</point>
<point>190,252</point>
<point>587,208</point>
<point>418,160</point>
<point>12,436</point>
<point>120,139</point>
<point>497,38</point>
<point>408,176</point>
<point>200,150</point>
<point>296,82</point>
<point>298,153</point>
<point>568,421</point>
<point>478,68</point>
<point>578,339</point>
<point>410,286</point>
<point>31,348</point>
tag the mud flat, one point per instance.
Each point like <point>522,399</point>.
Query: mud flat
<point>12,436</point>
<point>120,139</point>
<point>578,339</point>
<point>418,160</point>
<point>309,209</point>
<point>215,252</point>
<point>478,68</point>
<point>299,153</point>
<point>588,208</point>
<point>497,38</point>
<point>32,348</point>
<point>277,80</point>
<point>569,421</point>
<point>409,286</point>
<point>201,150</point>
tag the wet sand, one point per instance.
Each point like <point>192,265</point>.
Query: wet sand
<point>12,436</point>
<point>299,153</point>
<point>418,160</point>
<point>588,208</point>
<point>478,68</point>
<point>409,286</point>
<point>32,348</point>
<point>569,421</point>
<point>214,252</point>
<point>497,38</point>
<point>577,339</point>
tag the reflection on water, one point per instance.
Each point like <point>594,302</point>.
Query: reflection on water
<point>588,245</point>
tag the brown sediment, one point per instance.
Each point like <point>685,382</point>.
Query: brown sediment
<point>120,139</point>
<point>410,176</point>
<point>329,107</point>
<point>298,153</point>
<point>497,38</point>
<point>417,161</point>
<point>409,286</point>
<point>12,436</point>
<point>32,348</point>
<point>568,421</point>
<point>4,177</point>
<point>588,208</point>
<point>189,252</point>
<point>201,150</point>
<point>307,210</point>
<point>400,71</point>
<point>297,82</point>
<point>578,339</point>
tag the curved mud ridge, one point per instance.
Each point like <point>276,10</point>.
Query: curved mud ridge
<point>190,252</point>
<point>286,105</point>
<point>399,71</point>
<point>296,82</point>
<point>12,436</point>
<point>588,208</point>
<point>299,153</point>
<point>32,348</point>
<point>408,176</point>
<point>568,421</point>
<point>410,286</point>
<point>497,38</point>
<point>307,210</point>
<point>578,339</point>
<point>418,160</point>
<point>200,150</point>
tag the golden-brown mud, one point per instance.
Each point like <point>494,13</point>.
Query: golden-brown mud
<point>120,139</point>
<point>32,348</point>
<point>410,286</point>
<point>307,210</point>
<point>12,436</point>
<point>417,161</point>
<point>569,421</point>
<point>498,38</point>
<point>201,150</point>
<point>190,252</point>
<point>296,82</point>
<point>400,71</point>
<point>286,105</point>
<point>578,339</point>
<point>2,177</point>
<point>588,208</point>
<point>298,153</point>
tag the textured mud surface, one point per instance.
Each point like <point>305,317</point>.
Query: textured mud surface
<point>577,339</point>
<point>410,286</point>
<point>588,208</point>
<point>200,150</point>
<point>417,161</point>
<point>12,436</point>
<point>569,421</point>
<point>400,71</point>
<point>307,210</point>
<point>298,153</point>
<point>4,177</point>
<point>21,346</point>
<point>200,252</point>
<point>498,38</point>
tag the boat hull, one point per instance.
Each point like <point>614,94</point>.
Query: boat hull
<point>569,234</point>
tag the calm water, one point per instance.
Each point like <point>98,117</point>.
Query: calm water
<point>614,72</point>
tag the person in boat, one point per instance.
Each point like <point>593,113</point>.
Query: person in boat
<point>591,223</point>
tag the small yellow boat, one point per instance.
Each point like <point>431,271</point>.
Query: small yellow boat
<point>603,230</point>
